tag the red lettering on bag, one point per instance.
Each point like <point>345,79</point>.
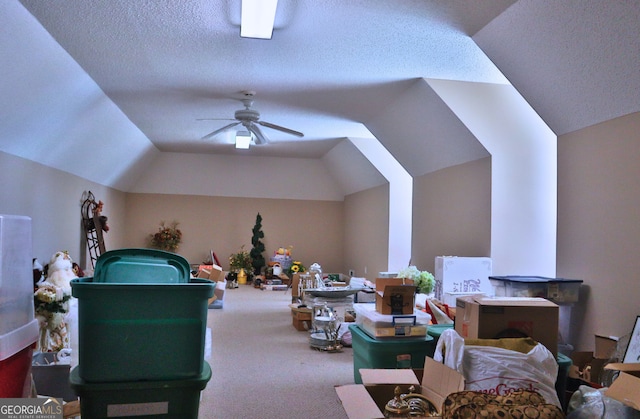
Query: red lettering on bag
<point>504,389</point>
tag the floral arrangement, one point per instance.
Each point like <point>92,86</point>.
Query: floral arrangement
<point>241,260</point>
<point>296,267</point>
<point>423,280</point>
<point>168,237</point>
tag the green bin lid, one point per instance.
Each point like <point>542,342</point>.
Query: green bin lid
<point>147,266</point>
<point>436,330</point>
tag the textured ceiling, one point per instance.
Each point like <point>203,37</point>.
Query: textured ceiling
<point>577,62</point>
<point>333,65</point>
<point>330,65</point>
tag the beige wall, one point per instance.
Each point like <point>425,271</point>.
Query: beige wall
<point>599,225</point>
<point>366,232</point>
<point>340,235</point>
<point>313,228</point>
<point>452,213</point>
<point>53,199</point>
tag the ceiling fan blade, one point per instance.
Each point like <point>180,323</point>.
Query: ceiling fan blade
<point>226,127</point>
<point>279,128</point>
<point>260,137</point>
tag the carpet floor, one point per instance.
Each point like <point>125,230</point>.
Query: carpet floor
<point>262,367</point>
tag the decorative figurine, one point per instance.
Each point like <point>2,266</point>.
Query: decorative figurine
<point>396,407</point>
<point>52,303</point>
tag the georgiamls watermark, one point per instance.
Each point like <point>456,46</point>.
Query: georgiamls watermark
<point>40,408</point>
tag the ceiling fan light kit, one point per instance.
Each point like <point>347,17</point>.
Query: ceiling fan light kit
<point>243,139</point>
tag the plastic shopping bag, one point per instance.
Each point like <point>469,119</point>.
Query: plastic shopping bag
<point>500,371</point>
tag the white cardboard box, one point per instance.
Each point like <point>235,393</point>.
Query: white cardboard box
<point>367,400</point>
<point>467,275</point>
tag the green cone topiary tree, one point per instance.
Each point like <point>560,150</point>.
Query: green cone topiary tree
<point>258,246</point>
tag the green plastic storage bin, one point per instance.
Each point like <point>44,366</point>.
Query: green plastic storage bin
<point>130,332</point>
<point>388,353</point>
<point>564,364</point>
<point>436,330</point>
<point>148,399</point>
<point>147,266</point>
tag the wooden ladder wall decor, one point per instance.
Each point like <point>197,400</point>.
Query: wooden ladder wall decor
<point>93,227</point>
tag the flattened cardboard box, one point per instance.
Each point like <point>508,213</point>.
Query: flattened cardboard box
<point>395,296</point>
<point>485,317</point>
<point>367,400</point>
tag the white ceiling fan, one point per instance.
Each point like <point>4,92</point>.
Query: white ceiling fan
<point>250,119</point>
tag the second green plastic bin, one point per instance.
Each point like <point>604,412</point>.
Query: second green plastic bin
<point>388,353</point>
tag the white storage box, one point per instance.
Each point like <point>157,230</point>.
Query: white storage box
<point>379,325</point>
<point>462,276</point>
<point>16,273</point>
<point>449,298</point>
<point>18,327</point>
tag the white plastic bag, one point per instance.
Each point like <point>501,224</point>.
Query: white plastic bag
<point>450,350</point>
<point>501,371</point>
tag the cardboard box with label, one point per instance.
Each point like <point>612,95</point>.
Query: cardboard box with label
<point>395,296</point>
<point>367,400</point>
<point>488,318</point>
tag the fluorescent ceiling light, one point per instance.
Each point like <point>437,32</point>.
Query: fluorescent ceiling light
<point>243,139</point>
<point>257,17</point>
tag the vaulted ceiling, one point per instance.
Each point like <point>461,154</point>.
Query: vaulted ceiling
<point>333,69</point>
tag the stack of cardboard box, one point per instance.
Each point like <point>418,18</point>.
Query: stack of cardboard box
<point>216,274</point>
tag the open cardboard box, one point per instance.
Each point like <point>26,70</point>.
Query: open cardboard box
<point>211,272</point>
<point>587,365</point>
<point>395,296</point>
<point>367,400</point>
<point>479,317</point>
<point>625,388</point>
